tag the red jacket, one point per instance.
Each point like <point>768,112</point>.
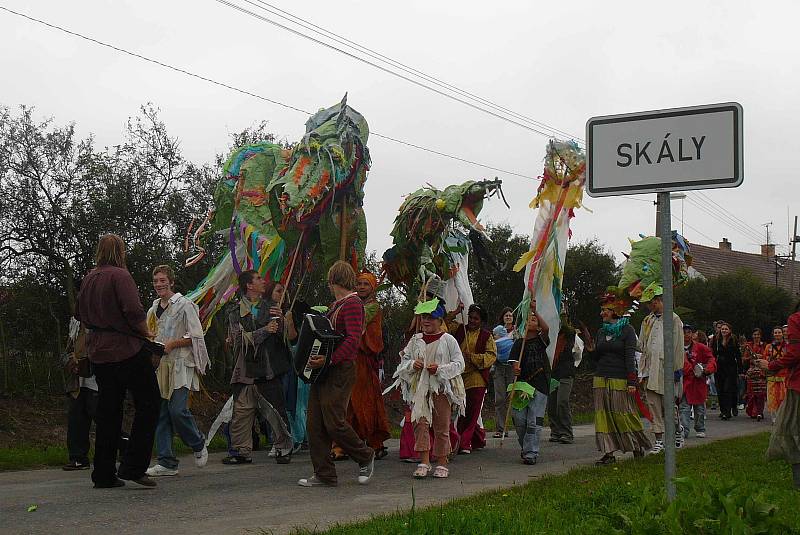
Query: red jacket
<point>790,360</point>
<point>695,388</point>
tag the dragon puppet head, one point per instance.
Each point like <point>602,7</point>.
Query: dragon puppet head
<point>641,273</point>
<point>424,222</point>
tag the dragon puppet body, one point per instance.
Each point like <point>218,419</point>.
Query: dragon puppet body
<point>277,207</point>
<point>433,234</point>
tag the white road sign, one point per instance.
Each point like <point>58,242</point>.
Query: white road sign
<point>666,150</point>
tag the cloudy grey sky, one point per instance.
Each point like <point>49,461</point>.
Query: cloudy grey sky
<point>559,63</point>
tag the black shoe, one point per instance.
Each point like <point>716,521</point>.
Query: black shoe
<point>75,465</point>
<point>114,484</point>
<point>142,480</point>
<point>608,458</point>
<point>529,461</point>
<point>282,459</point>
<point>725,418</point>
<point>566,440</point>
<point>380,453</point>
<point>554,439</point>
<point>237,459</point>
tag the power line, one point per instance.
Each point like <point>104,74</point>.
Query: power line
<point>719,218</point>
<point>380,67</point>
<point>730,214</point>
<point>249,93</point>
<point>295,19</point>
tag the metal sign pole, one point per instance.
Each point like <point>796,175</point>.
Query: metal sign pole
<point>665,231</point>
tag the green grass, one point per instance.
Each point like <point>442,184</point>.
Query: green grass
<point>573,502</point>
<point>27,457</point>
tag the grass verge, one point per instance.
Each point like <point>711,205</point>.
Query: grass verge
<point>28,457</point>
<point>576,502</point>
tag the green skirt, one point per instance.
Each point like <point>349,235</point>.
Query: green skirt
<point>617,423</point>
<point>785,440</point>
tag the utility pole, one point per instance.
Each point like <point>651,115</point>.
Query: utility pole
<point>665,229</point>
<point>766,226</point>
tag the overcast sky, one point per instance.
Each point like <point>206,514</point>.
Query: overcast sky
<point>559,63</point>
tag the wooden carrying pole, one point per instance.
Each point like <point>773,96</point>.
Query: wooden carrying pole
<point>511,395</point>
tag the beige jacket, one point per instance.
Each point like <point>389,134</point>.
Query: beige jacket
<point>651,344</point>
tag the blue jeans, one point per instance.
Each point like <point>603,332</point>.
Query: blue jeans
<point>699,417</point>
<point>175,417</point>
<point>529,422</point>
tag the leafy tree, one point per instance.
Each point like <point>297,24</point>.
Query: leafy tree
<point>739,298</point>
<point>588,270</point>
<point>494,288</point>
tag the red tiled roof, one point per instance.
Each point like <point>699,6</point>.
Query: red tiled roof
<point>713,261</point>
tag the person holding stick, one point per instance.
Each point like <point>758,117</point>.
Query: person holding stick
<point>532,387</point>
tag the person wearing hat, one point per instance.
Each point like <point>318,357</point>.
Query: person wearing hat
<point>617,417</point>
<point>429,377</point>
<point>699,364</point>
<point>367,412</point>
<point>651,344</point>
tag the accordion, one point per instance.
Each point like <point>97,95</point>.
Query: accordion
<point>316,337</point>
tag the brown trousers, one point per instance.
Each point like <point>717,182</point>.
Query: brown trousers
<point>327,422</point>
<point>441,428</point>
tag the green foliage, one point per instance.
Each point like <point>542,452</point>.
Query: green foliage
<point>702,506</point>
<point>496,289</point>
<point>739,298</point>
<point>588,270</point>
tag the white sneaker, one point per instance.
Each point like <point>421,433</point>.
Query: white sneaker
<point>273,452</point>
<point>658,447</point>
<point>701,434</point>
<point>201,457</point>
<point>159,471</point>
<point>365,472</point>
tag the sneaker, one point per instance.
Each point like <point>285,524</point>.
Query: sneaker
<point>658,447</point>
<point>554,439</point>
<point>529,460</point>
<point>679,442</point>
<point>159,471</point>
<point>144,481</point>
<point>740,406</point>
<point>273,452</point>
<point>566,440</point>
<point>464,452</point>
<point>314,482</point>
<point>200,458</point>
<point>701,434</point>
<point>237,459</point>
<point>365,472</point>
<point>111,485</point>
<point>280,458</point>
<point>498,434</point>
<point>411,460</point>
<point>75,465</point>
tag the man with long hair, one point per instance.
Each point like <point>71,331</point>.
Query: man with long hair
<point>110,308</point>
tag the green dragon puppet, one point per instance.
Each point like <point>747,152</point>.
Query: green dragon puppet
<point>426,234</point>
<point>281,207</point>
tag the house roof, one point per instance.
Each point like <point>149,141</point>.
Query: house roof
<point>713,261</point>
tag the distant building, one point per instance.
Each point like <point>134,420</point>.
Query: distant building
<point>710,262</point>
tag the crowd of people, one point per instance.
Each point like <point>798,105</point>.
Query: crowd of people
<point>152,360</point>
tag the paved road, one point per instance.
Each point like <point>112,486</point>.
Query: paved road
<point>264,496</point>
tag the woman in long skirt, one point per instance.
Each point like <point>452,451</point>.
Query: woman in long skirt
<point>617,420</point>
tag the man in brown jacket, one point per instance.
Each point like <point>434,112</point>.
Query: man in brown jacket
<point>110,309</point>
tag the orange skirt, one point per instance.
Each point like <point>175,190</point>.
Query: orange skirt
<point>776,393</point>
<point>367,412</point>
